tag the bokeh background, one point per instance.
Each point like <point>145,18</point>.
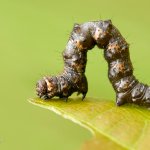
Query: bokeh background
<point>33,33</point>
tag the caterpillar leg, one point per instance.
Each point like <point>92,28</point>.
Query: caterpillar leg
<point>83,96</point>
<point>83,88</point>
<point>63,97</point>
<point>120,99</point>
<point>45,97</point>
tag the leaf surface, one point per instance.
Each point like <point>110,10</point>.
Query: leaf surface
<point>125,127</point>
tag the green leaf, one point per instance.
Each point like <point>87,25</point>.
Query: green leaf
<point>125,127</point>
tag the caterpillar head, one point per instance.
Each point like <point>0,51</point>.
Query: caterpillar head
<point>82,37</point>
<point>46,88</point>
<point>102,33</point>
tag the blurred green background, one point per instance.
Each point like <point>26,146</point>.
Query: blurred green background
<point>33,34</point>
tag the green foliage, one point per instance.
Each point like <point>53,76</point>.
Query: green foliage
<point>125,127</point>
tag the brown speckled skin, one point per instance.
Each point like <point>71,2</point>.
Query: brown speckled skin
<point>83,38</point>
<point>120,72</point>
<point>116,52</point>
<point>73,78</point>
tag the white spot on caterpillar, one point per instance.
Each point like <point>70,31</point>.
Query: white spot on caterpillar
<point>97,33</point>
<point>49,85</point>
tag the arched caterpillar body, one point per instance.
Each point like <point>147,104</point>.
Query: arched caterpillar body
<point>72,78</point>
<point>116,52</point>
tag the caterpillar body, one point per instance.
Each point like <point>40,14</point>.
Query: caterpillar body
<point>116,52</point>
<point>120,72</point>
<point>73,77</point>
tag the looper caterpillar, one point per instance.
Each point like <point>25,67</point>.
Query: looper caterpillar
<point>116,52</point>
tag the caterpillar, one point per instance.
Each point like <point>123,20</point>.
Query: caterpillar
<point>116,52</point>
